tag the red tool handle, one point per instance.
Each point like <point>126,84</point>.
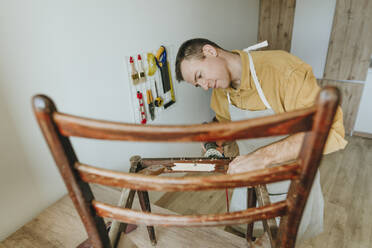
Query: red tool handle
<point>142,107</point>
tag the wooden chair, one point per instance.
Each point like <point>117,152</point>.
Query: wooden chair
<point>316,121</point>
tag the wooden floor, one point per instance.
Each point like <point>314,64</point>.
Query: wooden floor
<point>345,179</point>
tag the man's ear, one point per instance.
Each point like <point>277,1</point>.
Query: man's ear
<point>209,50</point>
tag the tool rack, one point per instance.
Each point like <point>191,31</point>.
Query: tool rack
<point>149,83</point>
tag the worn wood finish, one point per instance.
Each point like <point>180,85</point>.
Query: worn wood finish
<point>269,224</point>
<point>85,244</point>
<point>118,227</point>
<point>276,23</point>
<point>350,45</point>
<point>251,203</point>
<point>136,217</point>
<point>143,197</point>
<point>221,164</point>
<point>208,237</point>
<point>310,155</point>
<point>351,94</point>
<point>139,182</point>
<point>284,123</point>
<point>316,120</point>
<point>65,159</point>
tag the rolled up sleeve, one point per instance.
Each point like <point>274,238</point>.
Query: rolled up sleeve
<point>300,90</point>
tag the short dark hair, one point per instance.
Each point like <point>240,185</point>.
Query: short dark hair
<point>192,48</point>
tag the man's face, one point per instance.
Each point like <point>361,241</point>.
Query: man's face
<point>209,72</point>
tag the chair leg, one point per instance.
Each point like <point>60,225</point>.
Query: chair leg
<point>145,206</point>
<point>251,203</point>
<point>85,244</point>
<point>119,227</point>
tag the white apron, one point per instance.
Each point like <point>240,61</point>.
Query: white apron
<point>312,219</point>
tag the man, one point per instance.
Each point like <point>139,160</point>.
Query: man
<point>252,84</point>
<point>286,81</point>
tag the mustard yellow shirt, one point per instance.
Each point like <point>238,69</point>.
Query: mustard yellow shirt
<point>288,84</point>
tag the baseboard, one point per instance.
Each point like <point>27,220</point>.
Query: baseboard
<point>362,134</point>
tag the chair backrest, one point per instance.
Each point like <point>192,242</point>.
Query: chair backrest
<point>315,121</point>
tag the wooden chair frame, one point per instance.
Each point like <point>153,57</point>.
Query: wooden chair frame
<point>315,121</point>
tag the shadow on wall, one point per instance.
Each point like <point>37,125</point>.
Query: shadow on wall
<point>15,175</point>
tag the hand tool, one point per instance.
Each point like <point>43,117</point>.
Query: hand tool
<point>151,64</point>
<point>141,71</point>
<point>211,150</point>
<point>158,99</point>
<point>134,72</point>
<point>162,63</point>
<point>150,102</point>
<point>142,107</point>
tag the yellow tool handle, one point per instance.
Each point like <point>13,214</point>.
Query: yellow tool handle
<point>151,64</point>
<point>149,96</point>
<point>171,84</point>
<point>159,53</point>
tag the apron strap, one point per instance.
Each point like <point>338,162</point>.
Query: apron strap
<point>254,75</point>
<point>257,83</point>
<point>257,46</point>
<point>253,72</point>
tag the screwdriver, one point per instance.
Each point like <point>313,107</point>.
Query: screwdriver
<point>150,102</point>
<point>158,100</point>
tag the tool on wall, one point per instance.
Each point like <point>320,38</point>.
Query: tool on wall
<point>142,74</point>
<point>134,72</point>
<point>158,99</point>
<point>151,64</point>
<point>141,71</point>
<point>150,102</point>
<point>142,107</point>
<point>162,63</point>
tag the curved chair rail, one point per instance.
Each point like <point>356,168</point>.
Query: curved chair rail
<point>170,184</point>
<point>285,123</point>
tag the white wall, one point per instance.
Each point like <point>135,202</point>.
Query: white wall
<point>363,122</point>
<point>311,32</point>
<point>73,51</point>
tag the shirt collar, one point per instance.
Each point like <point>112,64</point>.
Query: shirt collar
<point>246,79</point>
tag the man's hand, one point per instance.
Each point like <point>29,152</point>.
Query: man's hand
<point>278,152</point>
<point>249,162</point>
